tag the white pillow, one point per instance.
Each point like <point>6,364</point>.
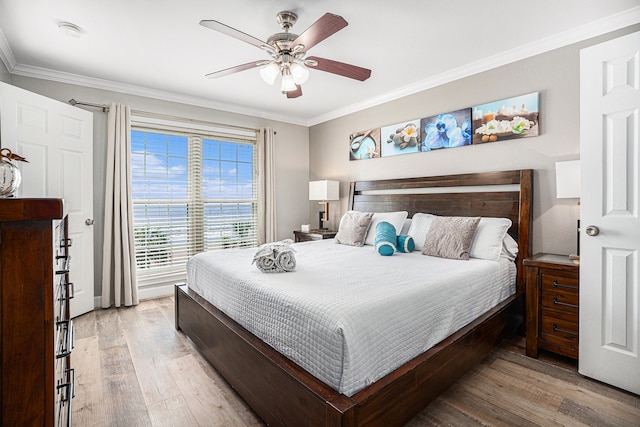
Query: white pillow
<point>418,229</point>
<point>487,241</point>
<point>509,247</point>
<point>394,218</point>
<point>405,227</point>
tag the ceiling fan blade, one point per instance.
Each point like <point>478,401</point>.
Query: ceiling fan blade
<point>295,93</point>
<point>324,27</point>
<point>340,68</point>
<point>236,69</point>
<point>225,29</point>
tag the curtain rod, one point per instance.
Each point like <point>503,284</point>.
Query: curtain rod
<point>105,108</point>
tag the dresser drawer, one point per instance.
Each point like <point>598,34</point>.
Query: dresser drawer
<point>560,292</point>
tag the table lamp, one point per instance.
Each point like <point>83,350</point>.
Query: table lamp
<point>324,191</point>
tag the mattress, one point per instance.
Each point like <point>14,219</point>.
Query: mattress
<point>347,315</point>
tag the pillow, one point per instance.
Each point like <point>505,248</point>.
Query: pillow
<point>487,241</point>
<point>353,228</point>
<point>394,218</point>
<point>385,240</point>
<point>405,244</point>
<point>405,226</point>
<point>419,227</point>
<point>450,237</point>
<point>509,247</point>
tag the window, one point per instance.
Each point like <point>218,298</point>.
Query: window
<point>192,192</point>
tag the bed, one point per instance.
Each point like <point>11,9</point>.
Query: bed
<point>283,393</point>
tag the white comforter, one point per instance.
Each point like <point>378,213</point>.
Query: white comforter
<point>348,315</point>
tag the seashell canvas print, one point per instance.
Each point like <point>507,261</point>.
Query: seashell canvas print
<point>364,144</point>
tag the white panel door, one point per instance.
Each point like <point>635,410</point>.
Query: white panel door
<point>57,140</point>
<point>609,212</point>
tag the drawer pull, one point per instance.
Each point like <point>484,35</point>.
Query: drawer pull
<point>562,285</point>
<point>68,345</point>
<point>68,293</point>
<point>69,386</point>
<point>556,329</point>
<point>566,304</point>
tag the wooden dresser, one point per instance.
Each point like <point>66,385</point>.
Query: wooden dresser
<point>37,334</point>
<point>552,296</point>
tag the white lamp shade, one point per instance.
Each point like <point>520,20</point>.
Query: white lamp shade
<point>270,72</point>
<point>324,190</point>
<point>568,179</point>
<point>300,73</point>
<point>287,82</point>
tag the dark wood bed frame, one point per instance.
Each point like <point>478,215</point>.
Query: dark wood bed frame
<point>282,393</point>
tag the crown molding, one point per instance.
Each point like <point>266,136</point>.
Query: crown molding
<point>95,83</point>
<point>596,28</point>
<point>6,54</point>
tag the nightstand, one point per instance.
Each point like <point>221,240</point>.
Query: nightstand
<point>552,297</point>
<point>301,236</point>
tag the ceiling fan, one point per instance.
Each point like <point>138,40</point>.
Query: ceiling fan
<point>288,51</point>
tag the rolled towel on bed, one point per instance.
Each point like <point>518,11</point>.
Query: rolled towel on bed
<point>276,257</point>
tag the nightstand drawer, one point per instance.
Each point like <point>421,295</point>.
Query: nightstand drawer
<point>559,329</point>
<point>560,293</point>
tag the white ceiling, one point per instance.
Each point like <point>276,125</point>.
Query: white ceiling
<point>157,48</point>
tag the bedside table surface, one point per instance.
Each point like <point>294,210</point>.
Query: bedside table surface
<point>550,260</point>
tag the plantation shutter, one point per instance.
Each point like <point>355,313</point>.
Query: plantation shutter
<point>194,190</point>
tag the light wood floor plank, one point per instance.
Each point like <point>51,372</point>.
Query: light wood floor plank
<point>207,402</point>
<point>152,343</point>
<point>624,414</point>
<point>134,369</point>
<point>88,405</point>
<point>173,411</point>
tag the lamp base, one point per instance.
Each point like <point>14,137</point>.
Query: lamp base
<point>321,221</point>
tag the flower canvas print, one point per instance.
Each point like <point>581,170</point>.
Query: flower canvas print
<point>446,130</point>
<point>510,118</point>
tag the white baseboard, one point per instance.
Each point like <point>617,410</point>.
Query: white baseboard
<point>150,292</point>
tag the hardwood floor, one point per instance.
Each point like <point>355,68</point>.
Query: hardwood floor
<point>133,368</point>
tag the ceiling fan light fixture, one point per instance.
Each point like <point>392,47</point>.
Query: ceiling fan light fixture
<point>288,84</point>
<point>300,73</point>
<point>270,72</point>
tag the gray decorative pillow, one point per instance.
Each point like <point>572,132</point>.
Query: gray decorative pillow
<point>353,228</point>
<point>450,236</point>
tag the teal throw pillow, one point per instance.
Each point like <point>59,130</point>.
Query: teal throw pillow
<point>385,241</point>
<point>405,244</point>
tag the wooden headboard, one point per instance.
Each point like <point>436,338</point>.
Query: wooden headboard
<point>505,194</point>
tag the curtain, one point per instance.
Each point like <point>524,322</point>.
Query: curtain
<point>119,285</point>
<point>267,231</point>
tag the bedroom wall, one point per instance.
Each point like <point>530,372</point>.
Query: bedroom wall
<point>292,151</point>
<point>554,74</point>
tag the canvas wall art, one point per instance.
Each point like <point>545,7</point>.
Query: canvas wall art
<point>401,138</point>
<point>509,118</point>
<point>364,145</point>
<point>446,130</point>
<point>506,119</point>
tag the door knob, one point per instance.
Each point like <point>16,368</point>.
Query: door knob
<point>89,221</point>
<point>592,230</point>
